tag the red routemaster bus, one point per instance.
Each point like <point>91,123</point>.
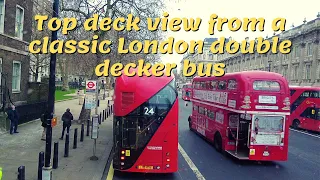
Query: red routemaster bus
<point>186,91</point>
<point>305,108</point>
<point>145,125</point>
<point>245,114</point>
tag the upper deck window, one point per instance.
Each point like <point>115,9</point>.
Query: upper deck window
<point>232,84</point>
<point>266,86</point>
<point>214,85</point>
<point>222,85</point>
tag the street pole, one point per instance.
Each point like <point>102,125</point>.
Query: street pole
<point>104,90</point>
<point>269,67</point>
<point>47,169</point>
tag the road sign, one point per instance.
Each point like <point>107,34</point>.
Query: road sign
<point>95,127</point>
<point>91,86</point>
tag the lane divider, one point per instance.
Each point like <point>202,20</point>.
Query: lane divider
<point>192,166</point>
<point>305,133</point>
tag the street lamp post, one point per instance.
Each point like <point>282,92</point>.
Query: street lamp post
<point>269,61</point>
<point>47,170</point>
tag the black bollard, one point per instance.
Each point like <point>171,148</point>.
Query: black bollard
<point>21,173</point>
<point>98,103</point>
<point>66,146</point>
<point>40,165</point>
<point>88,127</point>
<point>108,102</point>
<point>82,132</point>
<point>103,116</point>
<point>111,109</point>
<point>75,138</point>
<point>55,155</point>
<point>100,118</point>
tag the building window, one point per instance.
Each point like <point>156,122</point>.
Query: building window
<point>309,49</point>
<point>285,71</point>
<point>2,15</point>
<point>307,71</point>
<point>19,22</point>
<point>296,51</point>
<point>16,76</point>
<point>295,72</point>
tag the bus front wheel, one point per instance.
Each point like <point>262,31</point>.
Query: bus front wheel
<point>217,142</point>
<point>295,124</point>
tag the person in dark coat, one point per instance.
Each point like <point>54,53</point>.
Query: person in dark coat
<point>14,119</point>
<point>44,125</point>
<point>67,118</point>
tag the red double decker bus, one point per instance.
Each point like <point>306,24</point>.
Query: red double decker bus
<point>186,91</point>
<point>245,114</point>
<point>145,125</point>
<point>305,108</point>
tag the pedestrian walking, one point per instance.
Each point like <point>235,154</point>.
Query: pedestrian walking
<point>67,118</point>
<point>14,119</point>
<point>44,125</point>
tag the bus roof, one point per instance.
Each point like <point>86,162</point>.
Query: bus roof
<point>246,74</point>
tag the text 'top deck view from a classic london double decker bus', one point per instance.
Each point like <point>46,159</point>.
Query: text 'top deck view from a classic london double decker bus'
<point>159,89</point>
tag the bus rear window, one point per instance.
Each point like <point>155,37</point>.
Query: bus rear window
<point>266,86</point>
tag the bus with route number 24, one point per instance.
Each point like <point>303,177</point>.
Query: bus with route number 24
<point>305,107</point>
<point>145,125</point>
<point>245,114</point>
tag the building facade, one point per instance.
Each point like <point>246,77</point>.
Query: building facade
<point>301,66</point>
<point>205,57</point>
<point>15,35</point>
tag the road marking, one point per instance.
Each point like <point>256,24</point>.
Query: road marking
<point>305,133</point>
<point>111,172</point>
<point>190,163</point>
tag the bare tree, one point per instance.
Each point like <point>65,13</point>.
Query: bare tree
<point>39,62</point>
<point>84,9</point>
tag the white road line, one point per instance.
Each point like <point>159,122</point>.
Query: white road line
<point>305,133</point>
<point>190,163</point>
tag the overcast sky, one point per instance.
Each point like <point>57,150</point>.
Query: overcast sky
<point>293,11</point>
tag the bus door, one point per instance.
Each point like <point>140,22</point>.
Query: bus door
<point>239,130</point>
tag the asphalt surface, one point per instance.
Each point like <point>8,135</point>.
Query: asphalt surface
<point>303,161</point>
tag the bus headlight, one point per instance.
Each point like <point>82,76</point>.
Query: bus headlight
<point>167,165</point>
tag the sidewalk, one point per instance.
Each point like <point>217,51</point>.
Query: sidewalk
<point>23,148</point>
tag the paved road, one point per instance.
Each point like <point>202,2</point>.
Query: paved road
<point>303,163</point>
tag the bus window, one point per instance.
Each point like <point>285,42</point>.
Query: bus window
<point>195,108</point>
<point>318,113</point>
<point>222,85</point>
<point>314,94</point>
<point>232,84</point>
<point>266,86</point>
<point>214,85</point>
<point>308,113</point>
<point>268,124</point>
<point>292,92</point>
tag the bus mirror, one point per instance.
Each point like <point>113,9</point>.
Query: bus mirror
<point>313,111</point>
